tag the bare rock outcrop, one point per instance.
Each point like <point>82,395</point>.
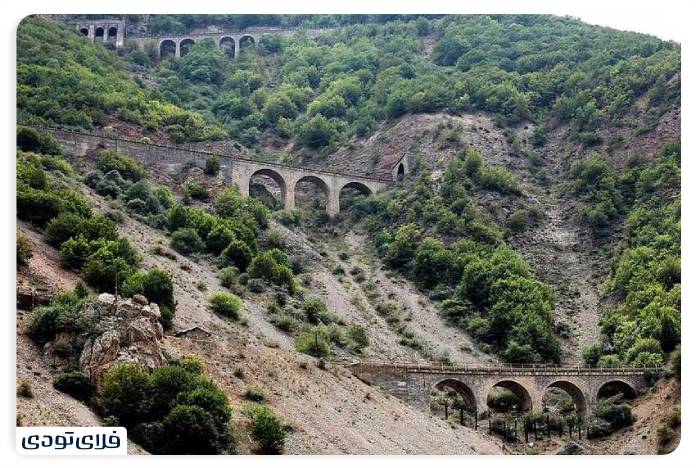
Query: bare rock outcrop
<point>130,331</point>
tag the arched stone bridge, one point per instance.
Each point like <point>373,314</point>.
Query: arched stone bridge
<point>415,383</point>
<point>172,160</point>
<point>113,31</point>
<point>230,42</point>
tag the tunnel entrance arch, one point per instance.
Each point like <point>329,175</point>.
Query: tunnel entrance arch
<point>400,172</point>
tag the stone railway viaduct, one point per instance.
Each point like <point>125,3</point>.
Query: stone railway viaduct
<point>414,383</point>
<point>113,31</point>
<point>172,160</point>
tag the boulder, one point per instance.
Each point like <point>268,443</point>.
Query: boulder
<point>572,448</point>
<point>129,331</point>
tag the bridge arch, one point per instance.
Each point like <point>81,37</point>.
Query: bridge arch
<point>461,389</point>
<point>318,182</point>
<point>84,31</point>
<point>112,32</point>
<point>349,190</point>
<point>524,396</point>
<point>245,41</point>
<point>185,45</point>
<point>228,46</point>
<point>167,47</point>
<point>615,386</point>
<point>99,33</point>
<point>576,394</point>
<point>277,178</point>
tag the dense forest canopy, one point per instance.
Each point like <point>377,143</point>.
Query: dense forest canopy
<point>322,91</point>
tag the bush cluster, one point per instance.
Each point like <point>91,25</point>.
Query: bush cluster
<point>174,409</point>
<point>646,275</point>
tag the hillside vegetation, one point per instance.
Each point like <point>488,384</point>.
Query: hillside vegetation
<point>517,129</point>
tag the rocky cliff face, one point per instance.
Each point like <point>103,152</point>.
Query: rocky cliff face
<point>130,332</point>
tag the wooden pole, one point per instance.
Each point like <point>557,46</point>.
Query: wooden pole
<point>526,432</point>
<point>548,427</point>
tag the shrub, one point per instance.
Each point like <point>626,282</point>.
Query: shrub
<point>212,165</point>
<point>285,322</point>
<point>597,427</point>
<point>503,400</point>
<point>30,173</point>
<point>255,285</point>
<point>402,249</point>
<point>255,393</point>
<point>219,238</point>
<point>190,430</point>
<point>267,429</point>
<point>276,240</point>
<point>128,168</point>
<point>288,217</point>
<point>314,341</point>
<point>110,264</point>
<point>617,415</point>
<point>24,249</point>
<point>238,254</point>
<point>29,139</point>
<point>226,304</point>
<point>187,241</point>
<point>609,360</point>
<point>591,354</point>
<point>315,311</point>
<point>228,276</point>
<point>74,252</point>
<point>498,179</point>
<point>196,190</point>
<point>37,206</point>
<point>24,390</point>
<point>75,384</point>
<point>62,227</point>
<point>675,362</point>
<point>357,338</point>
<point>157,286</point>
<point>164,196</point>
<point>126,393</point>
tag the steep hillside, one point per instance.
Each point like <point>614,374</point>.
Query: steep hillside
<point>538,222</point>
